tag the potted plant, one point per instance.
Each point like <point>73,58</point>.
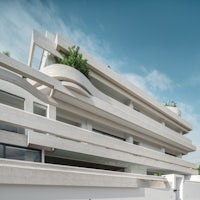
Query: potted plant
<point>198,169</point>
<point>172,105</point>
<point>7,53</point>
<point>75,59</point>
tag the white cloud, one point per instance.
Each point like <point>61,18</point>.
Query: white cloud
<point>158,81</point>
<point>137,80</point>
<point>189,114</point>
<point>15,25</point>
<point>19,18</point>
<point>153,82</point>
<point>143,69</point>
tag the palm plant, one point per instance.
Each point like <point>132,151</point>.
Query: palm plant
<point>75,59</point>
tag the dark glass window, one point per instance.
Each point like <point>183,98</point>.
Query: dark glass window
<point>19,153</point>
<point>39,109</point>
<point>16,102</point>
<point>107,134</point>
<point>68,121</point>
<point>10,128</point>
<point>11,100</point>
<point>136,142</point>
<point>1,151</point>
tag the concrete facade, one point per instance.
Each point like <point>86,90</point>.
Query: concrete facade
<point>56,116</point>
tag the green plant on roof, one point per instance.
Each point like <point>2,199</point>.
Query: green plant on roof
<point>75,59</point>
<point>7,53</point>
<point>198,170</point>
<point>171,103</point>
<point>159,174</point>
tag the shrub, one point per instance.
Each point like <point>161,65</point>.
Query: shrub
<point>75,59</point>
<point>198,169</point>
<point>7,53</point>
<point>171,103</point>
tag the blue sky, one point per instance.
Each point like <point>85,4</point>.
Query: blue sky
<point>154,44</point>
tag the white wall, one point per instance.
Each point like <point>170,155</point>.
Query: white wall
<point>23,192</point>
<point>191,190</point>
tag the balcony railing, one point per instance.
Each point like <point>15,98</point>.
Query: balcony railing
<point>76,138</point>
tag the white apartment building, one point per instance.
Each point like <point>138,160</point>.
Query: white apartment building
<point>58,128</point>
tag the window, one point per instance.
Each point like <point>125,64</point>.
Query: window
<point>16,102</point>
<point>11,100</point>
<point>13,129</point>
<point>80,163</point>
<point>108,134</point>
<point>1,151</point>
<point>68,121</point>
<point>136,142</point>
<point>39,109</point>
<point>170,154</point>
<point>19,153</point>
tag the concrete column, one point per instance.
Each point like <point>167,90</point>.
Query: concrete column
<point>163,123</point>
<point>44,59</point>
<point>136,169</point>
<point>31,52</point>
<point>51,112</point>
<point>86,125</point>
<point>130,104</point>
<point>162,150</point>
<point>179,155</point>
<point>176,184</point>
<point>28,105</point>
<point>130,139</point>
<point>43,156</point>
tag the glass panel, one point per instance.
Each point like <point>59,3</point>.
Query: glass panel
<point>22,154</point>
<point>1,151</point>
<point>14,101</point>
<point>68,117</point>
<point>10,128</point>
<point>136,142</point>
<point>67,121</point>
<point>11,100</point>
<point>107,134</point>
<point>39,109</point>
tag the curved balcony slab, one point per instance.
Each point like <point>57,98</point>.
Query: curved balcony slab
<point>22,83</point>
<point>73,79</point>
<point>75,88</point>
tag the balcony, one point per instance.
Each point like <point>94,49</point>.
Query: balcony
<point>75,139</point>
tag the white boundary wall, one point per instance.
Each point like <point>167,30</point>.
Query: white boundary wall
<point>26,180</point>
<point>191,191</point>
<point>191,188</point>
<point>23,192</point>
